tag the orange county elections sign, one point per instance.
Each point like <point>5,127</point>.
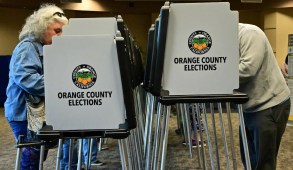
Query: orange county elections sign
<point>201,56</point>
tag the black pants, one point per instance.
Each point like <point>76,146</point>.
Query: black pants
<point>264,130</point>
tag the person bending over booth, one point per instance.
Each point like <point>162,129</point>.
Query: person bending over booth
<point>266,113</point>
<point>26,79</point>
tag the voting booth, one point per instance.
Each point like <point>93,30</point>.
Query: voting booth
<point>83,85</point>
<point>89,87</point>
<point>91,26</point>
<point>192,60</point>
<point>204,51</point>
<point>82,77</point>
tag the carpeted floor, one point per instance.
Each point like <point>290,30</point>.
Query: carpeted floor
<point>177,154</point>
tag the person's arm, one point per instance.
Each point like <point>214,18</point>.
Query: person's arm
<point>27,70</point>
<point>252,52</point>
<point>284,70</point>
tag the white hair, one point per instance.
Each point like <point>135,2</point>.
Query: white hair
<point>37,23</point>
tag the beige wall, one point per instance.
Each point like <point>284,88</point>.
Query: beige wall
<point>11,21</point>
<point>284,23</point>
<point>138,26</point>
<point>270,26</point>
<point>251,17</point>
<point>277,24</point>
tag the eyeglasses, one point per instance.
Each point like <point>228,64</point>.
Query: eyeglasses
<point>58,30</point>
<point>59,14</point>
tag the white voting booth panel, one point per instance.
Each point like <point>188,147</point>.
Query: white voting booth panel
<point>90,26</point>
<point>75,105</point>
<point>201,54</point>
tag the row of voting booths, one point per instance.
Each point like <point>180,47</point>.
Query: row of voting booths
<point>193,64</point>
<point>96,85</point>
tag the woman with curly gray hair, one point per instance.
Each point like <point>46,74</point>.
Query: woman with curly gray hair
<point>26,73</point>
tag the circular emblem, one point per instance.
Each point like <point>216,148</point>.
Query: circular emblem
<point>84,76</point>
<point>199,42</point>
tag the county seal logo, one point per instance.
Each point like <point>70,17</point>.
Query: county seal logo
<point>199,42</point>
<point>84,76</point>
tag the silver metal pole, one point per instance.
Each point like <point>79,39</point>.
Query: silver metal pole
<point>198,112</point>
<point>129,154</point>
<point>215,135</point>
<point>156,138</point>
<point>79,154</point>
<point>224,135</point>
<point>188,129</point>
<point>139,112</point>
<point>42,152</point>
<point>149,132</point>
<point>149,113</point>
<point>184,123</point>
<point>89,153</point>
<point>140,145</point>
<point>231,135</point>
<point>137,148</point>
<point>122,154</point>
<point>141,123</point>
<point>100,148</point>
<point>178,118</point>
<point>18,158</point>
<point>71,147</point>
<point>195,133</point>
<point>208,136</point>
<point>165,140</point>
<point>244,139</point>
<point>59,154</point>
<point>132,149</point>
<point>162,128</point>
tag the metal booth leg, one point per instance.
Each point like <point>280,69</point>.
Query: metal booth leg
<point>123,155</point>
<point>148,130</point>
<point>136,149</point>
<point>79,163</point>
<point>128,146</point>
<point>131,151</point>
<point>224,136</point>
<point>178,115</point>
<point>71,147</point>
<point>186,116</point>
<point>165,139</point>
<point>162,133</point>
<point>205,122</point>
<point>18,158</point>
<point>19,152</point>
<point>140,117</point>
<point>184,126</point>
<point>147,117</point>
<point>90,150</point>
<point>42,153</point>
<point>157,139</point>
<point>231,135</point>
<point>215,134</point>
<point>100,148</point>
<point>194,114</point>
<point>244,139</point>
<point>138,140</point>
<point>202,150</point>
<point>59,154</point>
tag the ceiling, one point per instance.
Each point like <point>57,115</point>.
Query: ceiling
<point>136,6</point>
